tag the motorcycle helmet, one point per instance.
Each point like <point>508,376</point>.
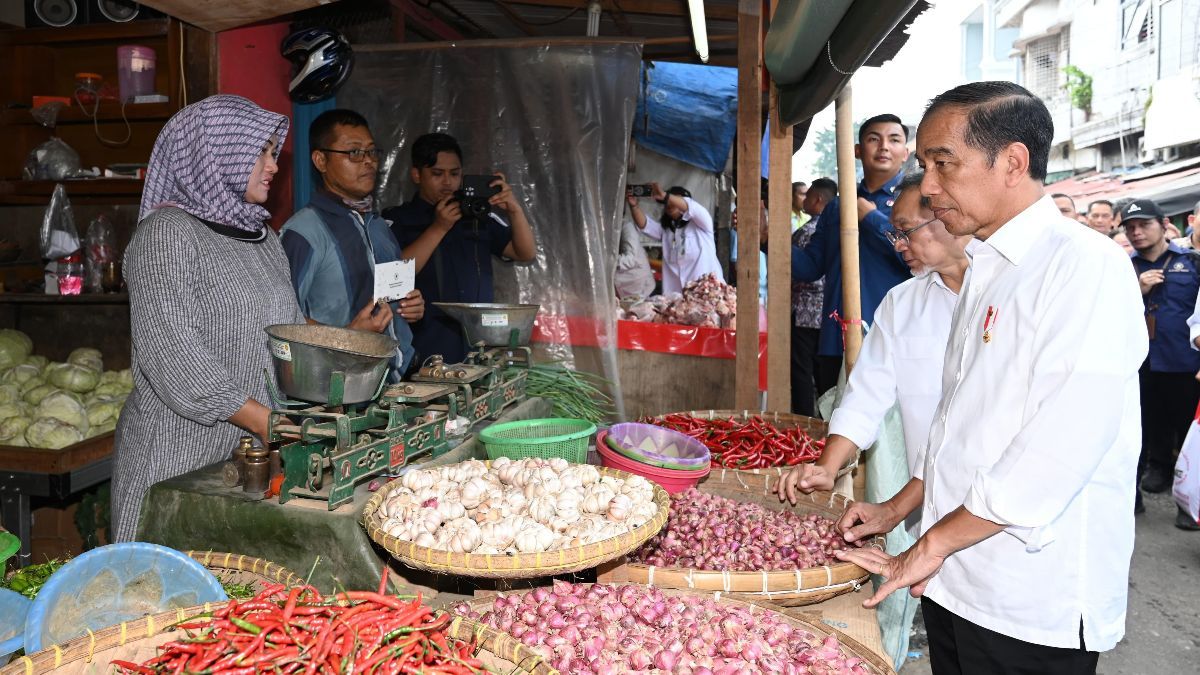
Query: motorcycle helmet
<point>323,60</point>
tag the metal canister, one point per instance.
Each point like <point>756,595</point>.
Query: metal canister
<point>258,471</point>
<point>233,472</point>
<point>274,462</point>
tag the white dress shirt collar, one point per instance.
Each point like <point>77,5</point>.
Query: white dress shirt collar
<point>1015,238</point>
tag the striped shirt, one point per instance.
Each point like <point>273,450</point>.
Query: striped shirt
<point>198,304</point>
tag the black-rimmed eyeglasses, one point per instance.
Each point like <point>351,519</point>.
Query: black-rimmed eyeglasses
<point>357,155</point>
<point>897,236</point>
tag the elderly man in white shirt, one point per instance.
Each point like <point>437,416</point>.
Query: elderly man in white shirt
<point>1027,479</point>
<point>901,358</point>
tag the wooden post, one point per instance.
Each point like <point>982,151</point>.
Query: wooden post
<point>848,196</point>
<point>779,259</point>
<point>749,210</point>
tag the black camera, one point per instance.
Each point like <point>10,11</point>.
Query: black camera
<point>474,194</point>
<point>643,190</point>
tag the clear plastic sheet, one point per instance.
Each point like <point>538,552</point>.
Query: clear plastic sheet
<point>556,119</point>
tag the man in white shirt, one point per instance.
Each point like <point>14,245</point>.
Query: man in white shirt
<point>1027,480</point>
<point>901,358</point>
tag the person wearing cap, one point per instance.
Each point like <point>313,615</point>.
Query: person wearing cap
<point>1192,240</point>
<point>1169,277</point>
<point>685,229</point>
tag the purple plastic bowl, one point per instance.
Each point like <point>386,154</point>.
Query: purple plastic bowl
<point>627,438</point>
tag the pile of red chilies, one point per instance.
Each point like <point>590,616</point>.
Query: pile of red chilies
<point>282,631</point>
<point>751,444</point>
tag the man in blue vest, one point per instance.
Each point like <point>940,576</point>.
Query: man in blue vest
<point>882,149</point>
<point>334,243</point>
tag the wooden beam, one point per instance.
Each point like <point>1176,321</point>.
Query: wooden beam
<point>510,14</point>
<point>779,259</point>
<point>851,296</point>
<point>423,20</point>
<point>618,16</point>
<point>656,7</point>
<point>749,207</point>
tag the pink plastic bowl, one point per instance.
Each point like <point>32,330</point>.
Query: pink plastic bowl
<point>672,480</point>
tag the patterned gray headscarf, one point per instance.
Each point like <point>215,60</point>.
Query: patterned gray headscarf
<point>203,157</point>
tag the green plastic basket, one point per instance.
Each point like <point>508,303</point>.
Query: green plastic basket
<point>546,438</point>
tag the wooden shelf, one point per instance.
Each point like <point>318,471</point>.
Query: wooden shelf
<point>84,191</point>
<point>100,32</point>
<point>43,299</point>
<point>107,112</point>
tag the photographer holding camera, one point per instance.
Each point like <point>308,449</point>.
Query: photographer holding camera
<point>685,229</point>
<point>451,228</point>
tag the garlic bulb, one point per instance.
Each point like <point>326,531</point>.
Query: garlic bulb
<point>619,508</point>
<point>534,538</point>
<point>542,509</point>
<point>474,492</point>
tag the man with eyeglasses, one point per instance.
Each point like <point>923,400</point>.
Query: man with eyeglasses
<point>901,358</point>
<point>454,254</point>
<point>1169,277</point>
<point>334,243</point>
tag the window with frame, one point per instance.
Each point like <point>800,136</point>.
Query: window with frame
<point>1137,24</point>
<point>1045,58</point>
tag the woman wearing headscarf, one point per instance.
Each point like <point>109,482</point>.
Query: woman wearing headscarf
<point>686,232</point>
<point>205,276</point>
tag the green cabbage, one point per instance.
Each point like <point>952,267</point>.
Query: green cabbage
<point>72,377</point>
<point>15,409</point>
<point>104,410</point>
<point>12,429</point>
<point>20,374</point>
<point>36,361</point>
<point>102,429</point>
<point>63,406</point>
<point>14,347</point>
<point>31,384</point>
<point>87,357</point>
<point>49,432</point>
<point>110,389</point>
<point>9,393</point>
<point>35,395</point>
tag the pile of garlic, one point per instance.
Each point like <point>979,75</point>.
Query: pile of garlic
<point>521,506</point>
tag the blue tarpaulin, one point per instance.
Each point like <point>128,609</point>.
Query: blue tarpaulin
<point>688,112</point>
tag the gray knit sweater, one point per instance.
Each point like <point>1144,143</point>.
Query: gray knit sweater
<point>199,301</point>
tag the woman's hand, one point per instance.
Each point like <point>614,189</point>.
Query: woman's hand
<point>373,318</point>
<point>657,193</point>
<point>412,307</point>
<point>255,418</point>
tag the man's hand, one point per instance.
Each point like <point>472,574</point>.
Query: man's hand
<point>915,567</point>
<point>446,213</point>
<point>1149,279</point>
<point>657,193</point>
<point>805,477</point>
<point>412,306</point>
<point>504,199</point>
<point>862,519</point>
<point>372,318</point>
<point>865,206</point>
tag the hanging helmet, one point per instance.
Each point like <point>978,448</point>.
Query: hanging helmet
<point>323,60</point>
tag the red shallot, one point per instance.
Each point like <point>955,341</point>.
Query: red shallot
<point>631,628</point>
<point>709,532</point>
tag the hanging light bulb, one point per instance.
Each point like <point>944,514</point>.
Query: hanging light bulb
<point>593,16</point>
<point>699,31</point>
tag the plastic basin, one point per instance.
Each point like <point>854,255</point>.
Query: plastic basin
<point>634,440</point>
<point>13,609</point>
<point>112,584</point>
<point>672,480</point>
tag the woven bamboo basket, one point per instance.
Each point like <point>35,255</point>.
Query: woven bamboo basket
<point>233,568</point>
<point>811,425</point>
<point>788,588</point>
<point>137,641</point>
<point>518,565</point>
<point>875,663</point>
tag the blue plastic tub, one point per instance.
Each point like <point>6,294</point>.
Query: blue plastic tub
<point>111,584</point>
<point>13,609</point>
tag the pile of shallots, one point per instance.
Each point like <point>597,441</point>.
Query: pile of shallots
<point>707,301</point>
<point>522,506</point>
<point>710,532</point>
<point>605,630</point>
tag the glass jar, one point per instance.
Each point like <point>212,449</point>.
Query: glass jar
<point>70,274</point>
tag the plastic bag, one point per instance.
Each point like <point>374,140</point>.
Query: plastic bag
<point>1187,472</point>
<point>52,160</point>
<point>59,237</point>
<point>100,245</point>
